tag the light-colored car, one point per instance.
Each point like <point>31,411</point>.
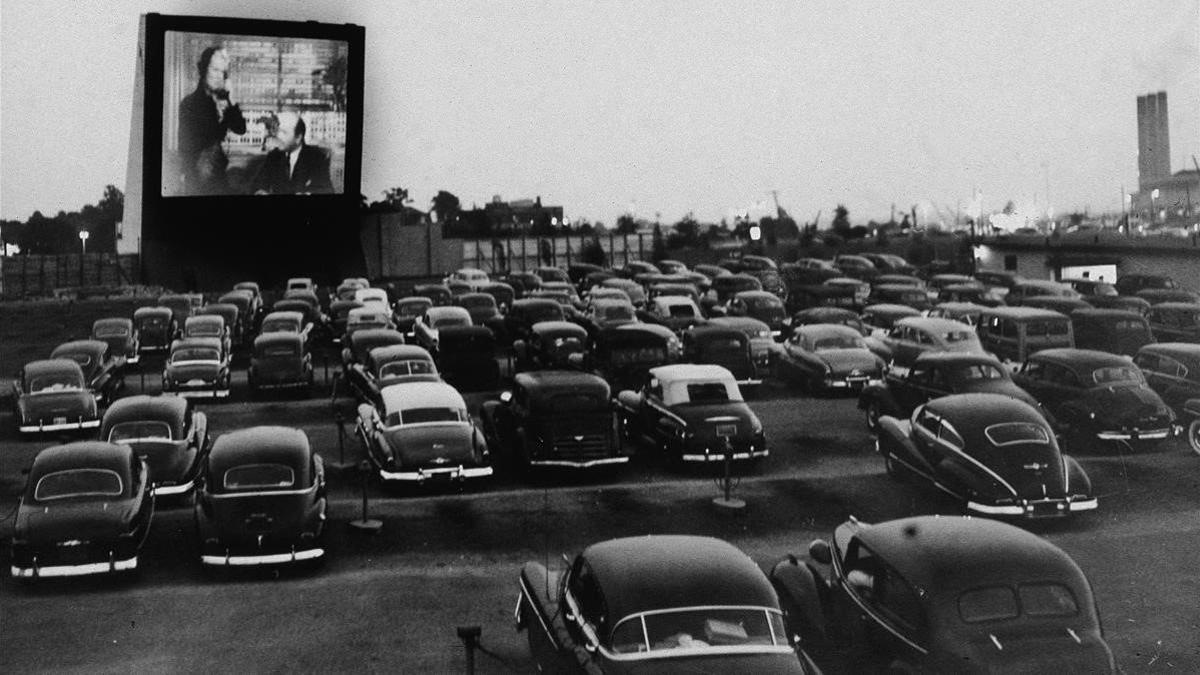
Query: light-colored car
<point>425,330</point>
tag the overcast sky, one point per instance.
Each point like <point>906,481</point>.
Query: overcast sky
<point>665,107</point>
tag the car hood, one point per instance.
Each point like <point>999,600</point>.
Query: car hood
<point>420,445</point>
<point>69,404</point>
<point>1127,405</point>
<point>87,520</point>
<point>843,361</point>
<point>203,370</point>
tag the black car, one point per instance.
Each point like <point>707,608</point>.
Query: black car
<point>856,266</point>
<point>197,367</point>
<point>439,294</point>
<point>624,354</point>
<point>1172,369</point>
<point>879,319</point>
<point>121,336</point>
<point>937,374</point>
<point>466,357</point>
<point>231,316</point>
<point>554,418</point>
<point>103,370</point>
<point>834,315</point>
<point>51,396</point>
<point>551,345</point>
<point>1110,330</point>
<point>692,413</point>
<point>1096,395</point>
<point>86,509</point>
<point>406,311</point>
<point>723,346</point>
<point>724,288</point>
<point>388,365</point>
<point>943,595</point>
<point>828,357</point>
<point>1175,322</point>
<point>261,499</point>
<point>360,343</point>
<point>656,604</point>
<point>526,312</point>
<point>280,361</point>
<point>482,308</point>
<point>900,294</point>
<point>993,452</point>
<point>765,307</point>
<point>166,432</point>
<point>156,328</point>
<point>1130,284</point>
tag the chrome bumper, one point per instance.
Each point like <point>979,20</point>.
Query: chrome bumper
<point>228,560</point>
<point>1063,507</point>
<point>60,426</point>
<point>448,473</point>
<point>38,572</point>
<point>720,457</point>
<point>582,464</point>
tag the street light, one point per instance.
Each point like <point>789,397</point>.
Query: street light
<point>83,237</point>
<point>1153,213</point>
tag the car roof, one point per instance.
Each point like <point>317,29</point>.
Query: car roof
<point>980,410</point>
<point>415,298</point>
<point>373,309</point>
<point>680,372</point>
<point>639,574</point>
<point>214,343</point>
<point>535,302</point>
<point>112,321</point>
<point>558,328</point>
<point>83,454</point>
<point>1191,306</point>
<point>563,379</point>
<point>939,358</point>
<point>75,346</point>
<point>1106,313</point>
<point>840,313</point>
<point>274,444</point>
<point>161,408</point>
<point>289,315</point>
<point>427,394</point>
<point>278,338</point>
<point>722,326</point>
<point>767,295</point>
<point>1023,313</point>
<point>364,335</point>
<point>891,308</point>
<point>934,323</point>
<point>668,300</point>
<point>42,366</point>
<point>950,554</point>
<point>1180,351</point>
<point>1081,359</point>
<point>151,311</point>
<point>204,318</point>
<point>388,353</point>
<point>824,329</point>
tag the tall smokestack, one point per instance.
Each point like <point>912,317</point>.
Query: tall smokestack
<point>1154,142</point>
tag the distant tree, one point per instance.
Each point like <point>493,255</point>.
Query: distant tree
<point>626,224</point>
<point>592,252</point>
<point>841,221</point>
<point>1009,208</point>
<point>447,207</point>
<point>658,250</point>
<point>688,230</point>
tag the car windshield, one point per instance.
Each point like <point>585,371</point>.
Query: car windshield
<point>396,418</point>
<point>280,326</point>
<point>707,392</point>
<point>544,313</point>
<point>195,354</point>
<point>764,303</point>
<point>270,351</point>
<point>1016,433</point>
<point>637,355</point>
<point>681,311</point>
<point>477,302</point>
<point>1001,603</point>
<point>111,330</point>
<point>65,381</point>
<point>977,371</point>
<point>78,483</point>
<point>568,402</point>
<point>413,308</point>
<point>1117,375</point>
<point>699,628</point>
<point>617,312</point>
<point>153,321</point>
<point>956,336</point>
<point>259,476</point>
<point>408,367</point>
<point>142,430</point>
<point>839,342</point>
<point>451,321</point>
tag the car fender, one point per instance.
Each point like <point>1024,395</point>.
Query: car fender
<point>1079,483</point>
<point>630,401</point>
<point>895,438</point>
<point>536,586</point>
<point>804,594</point>
<point>878,393</point>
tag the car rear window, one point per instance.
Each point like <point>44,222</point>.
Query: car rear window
<point>258,476</point>
<point>55,382</point>
<point>681,311</point>
<point>78,483</point>
<point>1117,375</point>
<point>706,392</point>
<point>280,350</point>
<point>111,331</point>
<point>1000,603</point>
<point>425,415</point>
<point>994,603</point>
<point>195,354</point>
<point>146,430</point>
<point>839,342</point>
<point>402,368</point>
<point>1013,433</point>
<point>280,326</point>
<point>568,402</point>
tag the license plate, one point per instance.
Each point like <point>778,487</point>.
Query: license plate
<point>726,430</point>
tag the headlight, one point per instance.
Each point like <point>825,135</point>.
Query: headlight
<point>764,333</point>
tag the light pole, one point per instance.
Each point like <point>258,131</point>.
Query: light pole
<point>1153,209</point>
<point>83,237</point>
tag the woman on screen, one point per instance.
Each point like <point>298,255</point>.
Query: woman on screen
<point>205,116</point>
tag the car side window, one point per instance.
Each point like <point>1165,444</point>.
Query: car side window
<point>919,376</point>
<point>1034,370</point>
<point>1148,362</point>
<point>587,594</point>
<point>924,338</point>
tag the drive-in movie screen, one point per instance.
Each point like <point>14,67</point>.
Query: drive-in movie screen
<point>253,115</point>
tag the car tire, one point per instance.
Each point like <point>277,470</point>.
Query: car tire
<point>1193,435</point>
<point>874,411</point>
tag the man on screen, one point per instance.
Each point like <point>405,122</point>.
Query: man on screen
<point>293,166</point>
<point>205,116</point>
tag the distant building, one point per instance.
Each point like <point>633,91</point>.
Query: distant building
<point>1178,195</point>
<point>514,217</point>
<point>1154,139</point>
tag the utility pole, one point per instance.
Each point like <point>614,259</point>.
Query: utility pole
<point>778,212</point>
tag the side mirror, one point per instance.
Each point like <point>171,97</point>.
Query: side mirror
<point>819,551</point>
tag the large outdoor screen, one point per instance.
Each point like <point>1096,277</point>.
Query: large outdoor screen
<point>253,115</point>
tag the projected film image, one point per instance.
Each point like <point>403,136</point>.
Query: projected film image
<point>253,115</point>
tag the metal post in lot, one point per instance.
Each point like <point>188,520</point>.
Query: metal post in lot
<point>470,638</point>
<point>366,524</point>
<point>726,428</point>
<point>341,425</point>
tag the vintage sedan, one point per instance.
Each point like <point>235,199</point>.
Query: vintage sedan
<point>1175,322</point>
<point>914,336</point>
<point>51,395</point>
<point>208,326</point>
<point>231,315</point>
<point>121,336</point>
<point>1172,369</point>
<point>103,371</point>
<point>420,433</point>
<point>827,357</point>
<point>965,312</point>
<point>761,305</point>
<point>729,346</point>
<point>86,509</point>
<point>602,313</point>
<point>550,345</point>
<point>656,604</point>
<point>526,312</point>
<point>482,308</point>
<point>879,319</point>
<point>553,418</point>
<point>261,499</point>
<point>625,354</point>
<point>1110,330</point>
<point>249,311</point>
<point>182,305</point>
<point>900,294</point>
<point>993,452</point>
<point>406,311</point>
<point>437,293</point>
<point>279,361</point>
<point>1096,395</point>
<point>387,365</point>
<point>938,374</point>
<point>693,413</point>
<point>198,368</point>
<point>425,330</point>
<point>155,327</point>
<point>942,594</point>
<point>834,315</point>
<point>357,346</point>
<point>368,317</point>
<point>677,312</point>
<point>504,294</point>
<point>339,316</point>
<point>466,357</point>
<point>166,432</point>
